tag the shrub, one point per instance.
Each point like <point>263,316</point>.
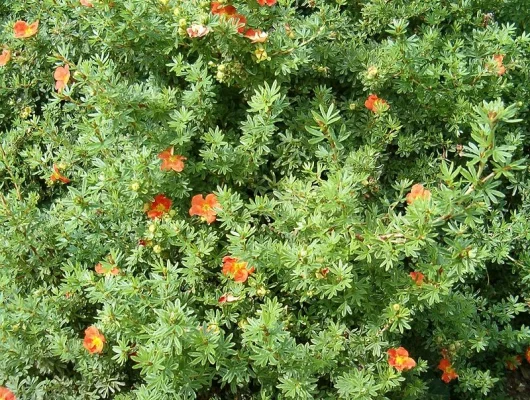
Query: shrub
<point>261,200</point>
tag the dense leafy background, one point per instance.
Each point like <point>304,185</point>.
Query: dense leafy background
<point>308,179</point>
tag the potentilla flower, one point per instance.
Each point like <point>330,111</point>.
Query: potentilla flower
<point>514,362</point>
<point>400,360</point>
<point>227,298</point>
<point>57,176</point>
<point>171,161</point>
<point>94,340</point>
<point>24,30</point>
<point>236,269</point>
<point>101,270</point>
<point>418,192</point>
<point>449,372</point>
<point>61,76</point>
<point>261,55</point>
<point>197,31</point>
<point>4,59</point>
<point>269,3</point>
<point>221,9</point>
<point>417,277</point>
<point>86,3</point>
<point>205,208</point>
<point>527,354</point>
<point>501,69</point>
<point>375,104</point>
<point>256,35</point>
<point>159,206</point>
<point>6,394</point>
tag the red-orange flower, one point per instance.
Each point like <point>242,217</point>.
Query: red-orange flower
<point>6,394</point>
<point>514,362</point>
<point>57,176</point>
<point>527,354</point>
<point>219,9</point>
<point>86,3</point>
<point>227,298</point>
<point>449,372</point>
<point>24,30</point>
<point>417,277</point>
<point>159,206</point>
<point>94,340</point>
<point>4,59</point>
<point>171,161</point>
<point>101,270</point>
<point>236,269</point>
<point>400,360</point>
<point>418,192</point>
<point>197,31</point>
<point>375,104</point>
<point>61,76</point>
<point>256,35</point>
<point>269,3</point>
<point>501,69</point>
<point>205,208</point>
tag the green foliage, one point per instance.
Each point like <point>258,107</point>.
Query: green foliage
<point>312,187</point>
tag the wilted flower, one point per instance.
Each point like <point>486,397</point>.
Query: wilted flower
<point>101,270</point>
<point>197,31</point>
<point>501,69</point>
<point>57,176</point>
<point>86,3</point>
<point>227,298</point>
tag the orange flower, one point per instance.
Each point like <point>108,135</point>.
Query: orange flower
<point>399,359</point>
<point>57,176</point>
<point>269,3</point>
<point>236,269</point>
<point>227,298</point>
<point>170,161</point>
<point>6,394</point>
<point>205,208</point>
<point>417,277</point>
<point>219,9</point>
<point>256,35</point>
<point>101,270</point>
<point>527,354</point>
<point>86,3</point>
<point>375,104</point>
<point>61,76</point>
<point>23,30</point>
<point>501,69</point>
<point>159,206</point>
<point>4,59</point>
<point>197,31</point>
<point>94,340</point>
<point>418,192</point>
<point>514,362</point>
<point>449,372</point>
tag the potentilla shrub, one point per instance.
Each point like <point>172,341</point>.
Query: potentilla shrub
<point>261,199</point>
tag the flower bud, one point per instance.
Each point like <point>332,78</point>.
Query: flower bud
<point>157,249</point>
<point>135,186</point>
<point>396,307</point>
<point>152,228</point>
